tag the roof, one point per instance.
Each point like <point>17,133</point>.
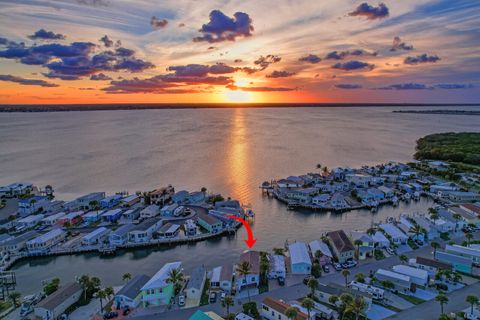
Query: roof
<point>169,228</point>
<point>97,232</point>
<point>145,224</point>
<point>197,278</point>
<point>132,288</point>
<point>380,237</point>
<point>47,236</point>
<point>111,213</point>
<point>227,272</point>
<point>252,257</point>
<point>160,278</point>
<point>393,231</point>
<point>451,257</point>
<point>321,246</point>
<point>91,196</point>
<point>433,263</point>
<point>54,216</point>
<point>299,253</point>
<point>59,296</point>
<point>29,200</point>
<point>471,207</point>
<point>362,236</point>
<point>465,214</point>
<point>411,271</point>
<point>394,275</point>
<point>281,307</point>
<point>341,241</point>
<point>130,198</point>
<point>208,218</point>
<point>31,218</point>
<point>21,238</point>
<point>277,263</point>
<point>126,228</point>
<point>73,215</point>
<point>200,315</point>
<point>463,250</point>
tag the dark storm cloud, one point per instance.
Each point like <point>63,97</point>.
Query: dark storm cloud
<point>371,12</point>
<point>353,65</point>
<point>311,58</point>
<point>398,44</point>
<point>43,34</point>
<point>29,82</point>
<point>223,28</point>
<point>280,74</point>
<point>348,86</point>
<point>423,58</point>
<point>157,23</point>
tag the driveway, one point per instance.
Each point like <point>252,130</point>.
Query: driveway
<point>378,312</point>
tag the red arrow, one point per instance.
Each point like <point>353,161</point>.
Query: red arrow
<point>251,241</point>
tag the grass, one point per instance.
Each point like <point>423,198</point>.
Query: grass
<point>263,288</point>
<point>5,305</point>
<point>391,307</point>
<point>411,299</point>
<point>204,298</point>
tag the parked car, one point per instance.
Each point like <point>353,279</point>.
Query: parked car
<point>390,251</point>
<point>351,263</point>
<point>281,281</point>
<point>338,266</point>
<point>110,315</point>
<point>181,300</point>
<point>326,269</point>
<point>222,296</point>
<point>213,297</point>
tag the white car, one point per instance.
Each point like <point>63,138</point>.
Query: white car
<point>222,296</point>
<point>181,300</point>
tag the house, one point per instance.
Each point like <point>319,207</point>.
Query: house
<point>285,183</point>
<point>89,201</point>
<point>338,201</point>
<point>112,215</point>
<point>53,306</point>
<point>365,196</point>
<point>144,231</point>
<point>418,276</point>
<point>379,240</point>
<point>396,236</point>
<point>321,199</point>
<point>132,214</point>
<point>43,243</point>
<point>467,216</point>
<point>376,194</point>
<point>52,207</point>
<point>129,201</point>
<point>129,295</point>
<point>120,236</point>
<point>190,227</point>
<point>430,231</point>
<point>30,221</point>
<point>111,201</point>
<point>15,245</point>
<point>196,197</point>
<point>97,236</point>
<point>365,249</point>
<point>471,208</point>
<point>325,291</point>
<point>359,180</point>
<point>458,263</point>
<point>461,196</point>
<point>195,286</point>
<point>430,265</point>
<point>231,206</point>
<point>158,291</point>
<point>32,205</point>
<point>401,282</point>
<point>300,262</point>
<point>150,212</point>
<point>273,309</point>
<point>209,222</point>
<point>93,216</point>
<point>341,245</point>
<point>388,192</point>
<point>298,194</point>
<point>326,255</point>
<point>466,252</point>
<point>16,189</point>
<point>253,278</point>
<point>180,197</point>
<point>162,195</point>
<point>71,218</point>
<point>168,210</point>
<point>221,278</point>
<point>447,215</point>
<point>277,267</point>
<point>169,230</point>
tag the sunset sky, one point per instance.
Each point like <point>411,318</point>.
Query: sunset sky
<point>114,51</point>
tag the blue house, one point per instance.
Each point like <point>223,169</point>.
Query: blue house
<point>458,263</point>
<point>377,194</point>
<point>112,215</point>
<point>110,202</point>
<point>300,258</point>
<point>180,196</point>
<point>92,216</point>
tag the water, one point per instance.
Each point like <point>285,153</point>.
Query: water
<point>231,151</point>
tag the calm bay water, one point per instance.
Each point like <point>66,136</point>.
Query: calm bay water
<point>228,150</point>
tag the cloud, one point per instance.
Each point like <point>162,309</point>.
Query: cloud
<point>100,77</point>
<point>348,86</point>
<point>353,65</point>
<point>260,89</point>
<point>311,58</point>
<point>371,12</point>
<point>280,74</point>
<point>423,58</point>
<point>94,3</point>
<point>238,60</point>
<point>223,28</point>
<point>453,86</point>
<point>158,23</point>
<point>107,42</point>
<point>265,61</point>
<point>399,45</point>
<point>339,55</point>
<point>28,82</point>
<point>11,44</point>
<point>406,86</point>
<point>199,70</point>
<point>43,34</point>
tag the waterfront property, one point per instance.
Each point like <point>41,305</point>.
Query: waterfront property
<point>190,227</point>
<point>162,195</point>
<point>273,309</point>
<point>129,201</point>
<point>55,305</point>
<point>326,255</point>
<point>18,243</point>
<point>341,245</point>
<point>86,202</point>
<point>401,282</point>
<point>144,231</point>
<point>221,278</point>
<point>417,276</point>
<point>209,222</point>
<point>300,262</point>
<point>16,189</point>
<point>120,235</point>
<point>31,205</point>
<point>158,291</point>
<point>129,295</point>
<point>396,236</point>
<point>276,267</point>
<point>45,242</point>
<point>195,286</point>
<point>111,201</point>
<point>253,278</point>
<point>97,236</point>
<point>169,230</point>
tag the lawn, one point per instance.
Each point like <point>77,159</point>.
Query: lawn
<point>411,299</point>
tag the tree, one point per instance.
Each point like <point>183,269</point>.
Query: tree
<point>469,237</point>
<point>457,218</point>
<point>434,216</point>
<point>442,299</point>
<point>473,300</point>
<point>360,277</point>
<point>244,270</point>
<point>345,274</point>
<point>308,304</point>
<point>101,295</point>
<point>345,299</point>
<point>14,298</point>
<point>403,258</point>
<point>109,292</point>
<point>279,251</point>
<point>227,303</point>
<point>358,243</point>
<point>313,285</point>
<point>333,299</point>
<point>84,282</point>
<point>126,277</point>
<point>318,255</point>
<point>435,246</point>
<point>416,230</point>
<point>291,313</point>
<point>356,306</point>
<point>319,166</point>
<point>264,265</point>
<point>387,284</point>
<point>175,276</point>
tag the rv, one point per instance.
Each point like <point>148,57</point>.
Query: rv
<point>375,292</point>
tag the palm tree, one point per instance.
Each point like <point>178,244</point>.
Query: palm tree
<point>371,231</point>
<point>345,274</point>
<point>333,299</point>
<point>101,294</point>
<point>435,246</point>
<point>313,285</point>
<point>358,243</point>
<point>14,297</point>
<point>346,299</point>
<point>473,300</point>
<point>416,230</point>
<point>318,255</point>
<point>356,306</point>
<point>291,313</point>
<point>279,251</point>
<point>244,269</point>
<point>403,258</point>
<point>308,304</point>
<point>434,216</point>
<point>325,170</point>
<point>442,299</point>
<point>264,265</point>
<point>109,292</point>
<point>457,218</point>
<point>360,277</point>
<point>175,276</point>
<point>469,237</point>
<point>319,166</point>
<point>84,282</point>
<point>227,303</point>
<point>126,277</point>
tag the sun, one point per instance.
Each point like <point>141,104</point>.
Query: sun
<point>238,95</point>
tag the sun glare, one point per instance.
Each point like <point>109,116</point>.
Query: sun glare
<point>239,95</point>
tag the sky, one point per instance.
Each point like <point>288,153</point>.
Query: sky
<point>275,51</point>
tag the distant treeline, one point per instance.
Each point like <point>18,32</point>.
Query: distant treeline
<point>457,147</point>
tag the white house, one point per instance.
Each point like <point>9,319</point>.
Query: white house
<point>253,278</point>
<point>221,278</point>
<point>321,199</point>
<point>299,258</point>
<point>359,180</point>
<point>53,306</point>
<point>144,231</point>
<point>417,276</point>
<point>402,283</point>
<point>380,241</point>
<point>96,236</point>
<point>195,286</point>
<point>30,221</point>
<point>150,212</point>
<point>53,219</point>
<point>277,267</point>
<point>397,236</point>
<point>46,241</point>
